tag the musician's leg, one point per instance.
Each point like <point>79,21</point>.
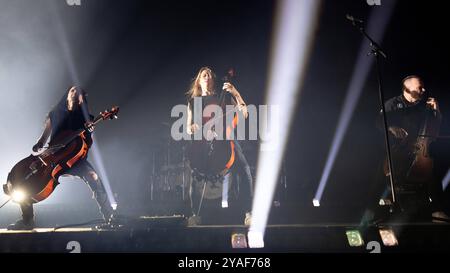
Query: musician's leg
<point>437,200</point>
<point>27,221</point>
<point>191,197</point>
<point>194,198</point>
<point>247,189</point>
<point>85,171</point>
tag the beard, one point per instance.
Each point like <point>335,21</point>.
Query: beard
<point>415,93</point>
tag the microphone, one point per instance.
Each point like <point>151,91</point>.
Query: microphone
<point>353,19</point>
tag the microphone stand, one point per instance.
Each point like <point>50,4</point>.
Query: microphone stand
<point>377,52</point>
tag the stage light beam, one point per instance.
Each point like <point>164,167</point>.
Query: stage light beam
<point>446,180</point>
<point>73,71</point>
<point>377,25</point>
<point>294,25</point>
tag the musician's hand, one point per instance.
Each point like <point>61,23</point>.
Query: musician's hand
<point>39,145</point>
<point>90,126</point>
<point>431,102</point>
<point>243,109</point>
<point>210,135</point>
<point>398,132</point>
<point>230,89</point>
<point>194,127</point>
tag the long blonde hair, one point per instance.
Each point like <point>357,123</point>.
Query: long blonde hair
<point>195,90</point>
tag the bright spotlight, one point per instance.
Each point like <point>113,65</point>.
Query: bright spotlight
<point>114,206</point>
<point>18,196</point>
<point>354,238</point>
<point>224,204</point>
<point>388,237</point>
<point>255,239</point>
<point>316,203</point>
<point>238,240</point>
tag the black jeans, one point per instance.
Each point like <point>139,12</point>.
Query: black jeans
<point>241,167</point>
<point>83,170</point>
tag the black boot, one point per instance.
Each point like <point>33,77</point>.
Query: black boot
<point>27,221</point>
<point>22,224</point>
<point>103,204</point>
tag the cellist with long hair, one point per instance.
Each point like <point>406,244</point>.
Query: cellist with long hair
<point>70,114</point>
<point>203,85</point>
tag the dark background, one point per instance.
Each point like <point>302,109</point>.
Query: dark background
<point>142,55</point>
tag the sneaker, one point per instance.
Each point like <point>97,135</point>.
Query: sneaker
<point>107,226</point>
<point>22,225</point>
<point>114,221</point>
<point>248,219</point>
<point>440,217</point>
<point>385,202</point>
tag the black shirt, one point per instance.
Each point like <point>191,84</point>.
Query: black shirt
<point>210,100</point>
<point>65,120</point>
<point>409,116</point>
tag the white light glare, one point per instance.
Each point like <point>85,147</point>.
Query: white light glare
<point>316,203</point>
<point>388,237</point>
<point>255,239</point>
<point>18,196</point>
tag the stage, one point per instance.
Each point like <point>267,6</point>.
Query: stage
<point>176,238</point>
<point>331,128</point>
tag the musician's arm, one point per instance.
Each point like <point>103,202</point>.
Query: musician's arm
<point>191,127</point>
<point>47,131</point>
<point>239,102</point>
<point>189,120</point>
<point>44,136</point>
<point>390,106</point>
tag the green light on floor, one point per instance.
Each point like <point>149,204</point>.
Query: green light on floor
<point>354,238</point>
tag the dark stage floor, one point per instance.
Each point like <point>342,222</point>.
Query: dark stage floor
<point>178,238</point>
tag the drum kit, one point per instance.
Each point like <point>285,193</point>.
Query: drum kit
<point>171,181</point>
<point>171,174</point>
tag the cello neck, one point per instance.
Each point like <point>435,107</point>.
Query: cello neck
<point>111,114</point>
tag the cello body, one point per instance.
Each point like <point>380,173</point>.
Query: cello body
<point>214,158</point>
<point>421,169</point>
<point>37,175</point>
<point>411,156</point>
<point>211,159</point>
